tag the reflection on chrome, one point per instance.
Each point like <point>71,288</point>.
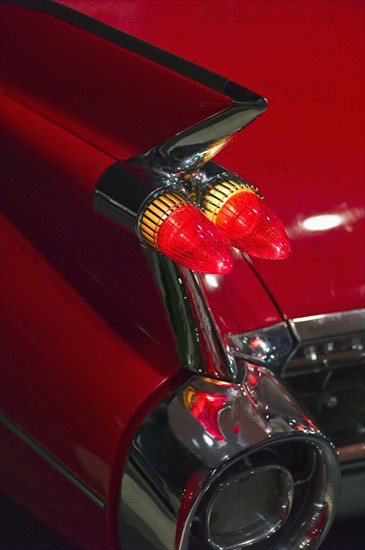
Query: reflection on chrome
<point>269,346</point>
<point>189,150</point>
<point>331,340</point>
<point>222,466</point>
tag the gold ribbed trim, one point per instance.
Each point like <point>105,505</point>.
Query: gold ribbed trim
<point>215,197</point>
<point>155,213</point>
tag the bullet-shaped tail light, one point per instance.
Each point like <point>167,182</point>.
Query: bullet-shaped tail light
<point>245,220</point>
<point>134,196</point>
<point>180,231</point>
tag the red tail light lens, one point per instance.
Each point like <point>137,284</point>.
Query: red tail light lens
<point>252,226</point>
<point>246,221</point>
<point>180,230</point>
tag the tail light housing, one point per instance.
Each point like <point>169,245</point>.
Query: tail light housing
<point>163,216</point>
<point>181,232</point>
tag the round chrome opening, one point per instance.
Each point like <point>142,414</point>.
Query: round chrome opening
<point>249,507</point>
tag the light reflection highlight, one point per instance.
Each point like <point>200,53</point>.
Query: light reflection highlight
<point>322,222</point>
<point>211,281</point>
<point>342,216</point>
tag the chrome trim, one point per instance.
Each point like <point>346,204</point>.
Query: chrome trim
<point>180,454</point>
<point>218,361</point>
<point>200,345</point>
<point>52,461</point>
<point>269,346</point>
<point>329,325</point>
<point>282,343</point>
<point>327,341</point>
<point>268,527</point>
<point>122,191</point>
<point>174,295</point>
<point>189,150</point>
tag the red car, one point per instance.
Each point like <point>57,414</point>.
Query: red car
<point>182,360</point>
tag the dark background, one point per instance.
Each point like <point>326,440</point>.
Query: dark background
<point>18,531</point>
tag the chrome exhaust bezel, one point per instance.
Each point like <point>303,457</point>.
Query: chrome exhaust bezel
<point>175,460</point>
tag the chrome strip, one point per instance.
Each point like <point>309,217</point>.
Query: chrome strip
<point>269,346</point>
<point>178,307</point>
<point>52,461</point>
<point>200,346</point>
<point>219,362</point>
<point>281,347</point>
<point>190,149</point>
<point>329,324</point>
<point>328,340</point>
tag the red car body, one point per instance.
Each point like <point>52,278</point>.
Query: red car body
<point>88,348</point>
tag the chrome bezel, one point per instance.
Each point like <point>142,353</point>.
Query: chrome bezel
<point>315,331</point>
<point>218,544</point>
<point>173,477</point>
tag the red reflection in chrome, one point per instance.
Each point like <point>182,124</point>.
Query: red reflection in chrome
<point>190,239</point>
<point>319,523</point>
<point>205,408</point>
<point>252,375</point>
<point>236,428</point>
<point>250,225</point>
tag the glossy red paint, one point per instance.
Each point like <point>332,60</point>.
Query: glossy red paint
<point>72,278</point>
<point>77,287</point>
<point>49,496</point>
<point>306,154</point>
<point>108,96</point>
<point>60,150</point>
<point>74,333</point>
<point>64,158</point>
<point>252,310</point>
